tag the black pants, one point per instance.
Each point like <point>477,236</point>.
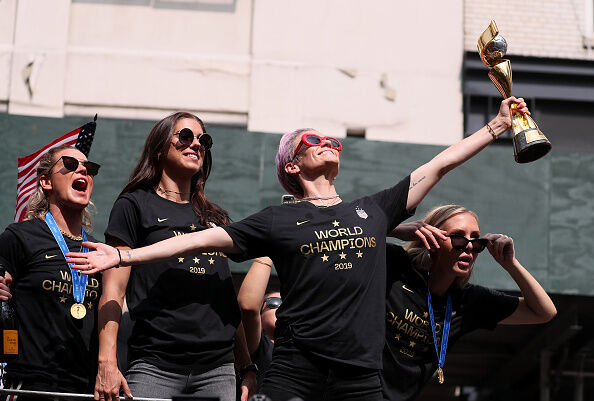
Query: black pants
<point>296,373</point>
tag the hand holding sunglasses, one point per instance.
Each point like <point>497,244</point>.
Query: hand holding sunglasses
<point>71,164</point>
<point>501,248</point>
<point>186,137</point>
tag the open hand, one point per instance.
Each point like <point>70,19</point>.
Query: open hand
<point>102,258</point>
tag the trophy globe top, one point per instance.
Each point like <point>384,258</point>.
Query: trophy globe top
<point>494,51</point>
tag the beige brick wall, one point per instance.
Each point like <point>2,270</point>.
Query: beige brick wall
<point>539,28</point>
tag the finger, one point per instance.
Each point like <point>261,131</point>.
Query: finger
<point>77,262</point>
<point>430,234</point>
<point>91,245</point>
<point>77,255</point>
<point>440,233</point>
<point>419,234</point>
<point>96,395</point>
<point>126,388</point>
<point>92,270</point>
<point>244,392</point>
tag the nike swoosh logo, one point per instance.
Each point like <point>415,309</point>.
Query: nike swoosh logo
<point>50,256</point>
<point>161,220</point>
<point>409,290</point>
<point>302,222</point>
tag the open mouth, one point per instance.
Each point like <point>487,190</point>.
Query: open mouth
<point>464,263</point>
<point>192,156</point>
<point>80,185</point>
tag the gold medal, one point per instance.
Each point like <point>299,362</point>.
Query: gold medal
<point>78,311</point>
<point>440,377</point>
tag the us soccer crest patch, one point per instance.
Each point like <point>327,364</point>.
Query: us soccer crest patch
<point>361,212</point>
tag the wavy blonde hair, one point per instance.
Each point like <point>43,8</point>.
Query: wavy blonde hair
<point>38,204</point>
<point>419,255</point>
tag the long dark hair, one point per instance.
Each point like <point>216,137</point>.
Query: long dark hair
<point>147,173</point>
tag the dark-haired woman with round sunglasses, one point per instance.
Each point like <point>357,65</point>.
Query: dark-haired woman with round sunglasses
<point>184,311</point>
<point>430,302</point>
<point>56,307</point>
<point>330,260</point>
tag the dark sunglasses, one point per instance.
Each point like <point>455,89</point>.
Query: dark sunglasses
<point>316,140</point>
<point>186,137</point>
<point>272,302</point>
<point>460,242</point>
<point>71,164</point>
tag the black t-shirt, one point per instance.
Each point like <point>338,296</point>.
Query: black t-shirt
<point>53,346</point>
<point>409,355</point>
<point>262,357</point>
<point>185,311</point>
<point>331,266</point>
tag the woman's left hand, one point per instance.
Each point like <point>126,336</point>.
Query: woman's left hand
<point>504,117</point>
<point>419,230</point>
<point>99,258</point>
<point>249,385</point>
<point>501,248</point>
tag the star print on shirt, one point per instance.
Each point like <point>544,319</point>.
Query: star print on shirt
<point>325,258</point>
<point>211,261</point>
<point>180,260</point>
<point>90,304</point>
<point>359,254</point>
<point>193,227</point>
<point>335,223</point>
<point>342,255</point>
<point>63,299</point>
<point>397,336</point>
<point>196,260</point>
<point>412,343</point>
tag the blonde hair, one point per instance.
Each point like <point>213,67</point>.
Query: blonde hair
<point>419,255</point>
<point>38,204</point>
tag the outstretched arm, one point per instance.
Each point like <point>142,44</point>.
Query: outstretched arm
<point>535,305</point>
<point>105,257</point>
<point>429,174</point>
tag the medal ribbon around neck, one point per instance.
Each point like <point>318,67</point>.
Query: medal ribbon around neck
<point>444,334</point>
<point>79,281</point>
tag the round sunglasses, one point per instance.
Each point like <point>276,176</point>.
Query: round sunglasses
<point>186,137</point>
<point>460,243</point>
<point>271,303</point>
<point>71,164</point>
<point>316,140</point>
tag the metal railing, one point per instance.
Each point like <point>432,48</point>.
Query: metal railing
<point>69,396</point>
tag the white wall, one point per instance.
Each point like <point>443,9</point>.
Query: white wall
<point>389,67</point>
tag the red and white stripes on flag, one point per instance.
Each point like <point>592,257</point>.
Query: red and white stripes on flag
<point>81,138</point>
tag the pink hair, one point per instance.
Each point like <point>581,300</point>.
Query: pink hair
<point>286,148</point>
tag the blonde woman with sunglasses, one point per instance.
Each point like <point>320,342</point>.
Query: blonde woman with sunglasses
<point>330,260</point>
<point>55,306</point>
<point>430,303</point>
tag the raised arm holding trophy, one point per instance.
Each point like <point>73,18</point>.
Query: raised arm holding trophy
<point>530,144</point>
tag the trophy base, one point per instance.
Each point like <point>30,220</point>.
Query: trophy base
<point>530,145</point>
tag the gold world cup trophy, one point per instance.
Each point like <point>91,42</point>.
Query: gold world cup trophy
<point>529,142</point>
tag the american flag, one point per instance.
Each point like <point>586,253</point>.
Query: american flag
<point>81,138</point>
